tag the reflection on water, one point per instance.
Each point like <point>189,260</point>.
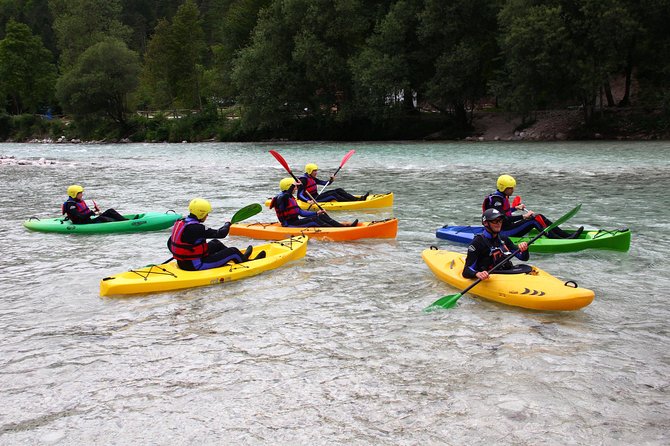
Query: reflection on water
<point>333,348</point>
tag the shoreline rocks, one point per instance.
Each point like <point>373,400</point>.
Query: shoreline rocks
<point>13,161</point>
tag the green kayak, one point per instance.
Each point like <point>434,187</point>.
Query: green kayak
<point>148,221</point>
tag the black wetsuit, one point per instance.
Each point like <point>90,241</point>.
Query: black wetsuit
<point>338,194</point>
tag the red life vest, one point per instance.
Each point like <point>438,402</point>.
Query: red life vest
<point>182,250</point>
<point>82,207</point>
<point>291,212</point>
<point>310,185</point>
<point>506,208</point>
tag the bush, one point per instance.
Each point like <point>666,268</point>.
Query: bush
<point>6,126</point>
<point>28,126</point>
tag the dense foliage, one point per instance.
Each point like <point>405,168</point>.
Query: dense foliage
<point>335,69</point>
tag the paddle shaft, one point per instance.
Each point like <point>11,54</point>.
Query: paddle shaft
<point>344,160</point>
<point>282,161</point>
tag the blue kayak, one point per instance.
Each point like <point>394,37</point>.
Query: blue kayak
<point>617,240</point>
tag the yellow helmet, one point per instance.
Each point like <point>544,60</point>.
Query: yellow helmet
<point>311,167</point>
<point>200,208</point>
<point>505,181</point>
<point>286,183</point>
<point>73,190</point>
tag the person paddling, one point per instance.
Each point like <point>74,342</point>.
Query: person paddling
<point>518,225</point>
<point>189,246</point>
<point>79,213</point>
<point>289,213</point>
<point>309,182</point>
<point>490,247</point>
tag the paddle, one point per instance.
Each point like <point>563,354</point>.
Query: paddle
<point>450,300</point>
<point>95,206</point>
<point>344,160</point>
<point>284,164</point>
<point>244,213</point>
<point>516,202</point>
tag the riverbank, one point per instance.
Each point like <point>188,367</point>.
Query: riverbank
<point>562,125</point>
<point>634,124</point>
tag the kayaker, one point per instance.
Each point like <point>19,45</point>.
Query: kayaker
<point>309,183</point>
<point>189,246</point>
<point>79,213</point>
<point>490,247</point>
<point>518,225</point>
<point>289,213</point>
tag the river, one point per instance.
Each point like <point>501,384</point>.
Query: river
<point>334,348</point>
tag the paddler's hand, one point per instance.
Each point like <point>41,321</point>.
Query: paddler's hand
<point>528,215</point>
<point>223,230</point>
<point>520,207</point>
<point>332,179</point>
<point>482,275</point>
<point>523,246</point>
<point>320,212</point>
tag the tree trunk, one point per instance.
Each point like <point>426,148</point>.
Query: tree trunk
<point>460,114</point>
<point>625,101</point>
<point>608,94</point>
<point>588,106</point>
<point>408,99</point>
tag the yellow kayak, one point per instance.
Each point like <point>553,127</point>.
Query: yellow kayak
<point>374,201</point>
<point>154,278</point>
<point>536,290</point>
<point>275,231</point>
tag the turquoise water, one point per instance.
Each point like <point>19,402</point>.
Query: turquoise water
<point>334,348</point>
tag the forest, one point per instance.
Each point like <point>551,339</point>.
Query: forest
<point>238,70</point>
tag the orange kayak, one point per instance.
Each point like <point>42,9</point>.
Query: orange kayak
<point>275,231</point>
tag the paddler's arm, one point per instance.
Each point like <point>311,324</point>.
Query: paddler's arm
<point>523,254</point>
<point>470,270</point>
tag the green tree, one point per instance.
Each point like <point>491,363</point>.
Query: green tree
<point>389,69</point>
<point>172,72</point>
<point>79,24</point>
<point>459,38</point>
<point>27,75</point>
<point>35,14</point>
<point>297,61</point>
<point>537,52</point>
<point>649,53</point>
<point>562,51</point>
<point>231,31</point>
<point>100,80</point>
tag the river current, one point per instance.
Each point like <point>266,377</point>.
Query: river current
<point>333,348</point>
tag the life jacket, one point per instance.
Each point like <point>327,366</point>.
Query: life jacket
<point>291,212</point>
<point>182,250</point>
<point>497,251</point>
<point>308,185</point>
<point>82,207</point>
<point>498,196</point>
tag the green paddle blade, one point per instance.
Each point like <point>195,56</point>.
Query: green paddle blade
<point>446,302</point>
<point>246,212</point>
<point>564,218</point>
